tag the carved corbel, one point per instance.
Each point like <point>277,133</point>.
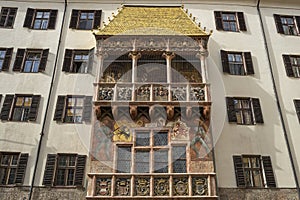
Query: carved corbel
<point>133,112</point>
<point>170,112</point>
<point>189,112</point>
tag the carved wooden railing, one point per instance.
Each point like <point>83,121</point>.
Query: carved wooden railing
<point>154,186</point>
<point>153,92</point>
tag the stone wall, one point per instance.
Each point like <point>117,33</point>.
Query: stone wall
<point>257,194</point>
<point>41,193</point>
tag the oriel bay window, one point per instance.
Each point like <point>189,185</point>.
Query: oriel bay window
<point>31,60</point>
<point>20,107</point>
<point>152,76</point>
<point>246,111</point>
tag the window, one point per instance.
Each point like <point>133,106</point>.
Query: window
<point>64,170</point>
<point>7,17</point>
<point>297,106</point>
<point>5,58</point>
<point>73,109</point>
<point>31,60</point>
<point>287,25</point>
<point>12,168</point>
<point>230,21</point>
<point>245,111</point>
<point>292,65</point>
<point>40,19</point>
<point>85,19</point>
<point>20,108</point>
<point>237,63</point>
<point>254,171</point>
<point>78,61</point>
<point>151,154</point>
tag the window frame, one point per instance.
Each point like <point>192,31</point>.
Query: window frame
<point>280,25</point>
<point>31,18</point>
<point>240,23</point>
<point>9,166</point>
<point>33,61</point>
<point>230,21</point>
<point>22,107</point>
<point>10,9</point>
<point>267,175</point>
<point>151,148</point>
<point>75,107</point>
<point>42,19</point>
<point>76,17</point>
<point>69,63</point>
<point>66,170</point>
<point>254,107</point>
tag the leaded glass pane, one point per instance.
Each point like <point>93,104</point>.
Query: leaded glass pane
<point>142,161</point>
<point>179,166</point>
<point>161,139</point>
<point>142,139</point>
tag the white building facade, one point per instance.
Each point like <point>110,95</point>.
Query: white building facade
<point>58,61</point>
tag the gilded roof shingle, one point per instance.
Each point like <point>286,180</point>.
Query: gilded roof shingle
<point>151,20</point>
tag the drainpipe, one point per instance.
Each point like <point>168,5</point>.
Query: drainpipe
<point>48,103</point>
<point>277,99</point>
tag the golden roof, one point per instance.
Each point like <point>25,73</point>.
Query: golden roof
<point>151,20</point>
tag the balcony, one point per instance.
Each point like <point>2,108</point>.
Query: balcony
<point>151,186</point>
<point>153,92</point>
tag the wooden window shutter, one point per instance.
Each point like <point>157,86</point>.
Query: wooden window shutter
<point>91,60</point>
<point>67,60</point>
<point>21,168</point>
<point>298,23</point>
<point>49,170</point>
<point>29,18</point>
<point>44,59</point>
<point>230,109</point>
<point>288,65</point>
<point>249,63</point>
<point>97,19</point>
<point>242,23</point>
<point>257,110</point>
<point>87,109</point>
<point>5,112</point>
<point>19,60</point>
<point>0,98</point>
<point>7,59</point>
<point>278,24</point>
<point>79,171</point>
<point>297,106</point>
<point>34,107</point>
<point>269,173</point>
<point>239,171</point>
<point>224,58</point>
<point>52,20</point>
<point>60,107</point>
<point>219,21</point>
<point>74,19</point>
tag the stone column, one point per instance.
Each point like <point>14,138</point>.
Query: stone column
<point>169,56</point>
<point>135,56</point>
<point>202,55</point>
